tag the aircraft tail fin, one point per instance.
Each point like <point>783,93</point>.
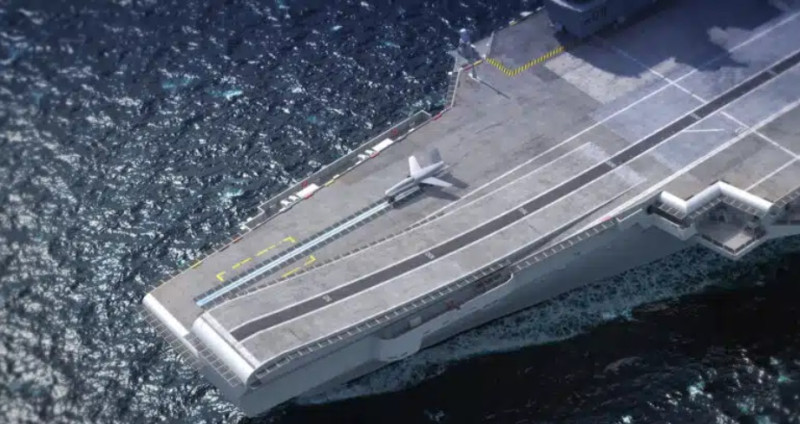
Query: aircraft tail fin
<point>413,165</point>
<point>435,156</point>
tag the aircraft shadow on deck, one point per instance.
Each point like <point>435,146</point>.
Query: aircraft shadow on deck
<point>493,88</point>
<point>439,193</point>
<point>435,192</point>
<point>456,182</point>
<point>427,192</point>
<point>709,23</point>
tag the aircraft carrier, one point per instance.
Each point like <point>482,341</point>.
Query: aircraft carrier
<point>572,156</point>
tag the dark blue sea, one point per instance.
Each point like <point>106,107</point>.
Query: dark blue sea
<point>134,134</point>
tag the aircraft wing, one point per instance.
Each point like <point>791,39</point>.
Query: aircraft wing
<point>435,182</point>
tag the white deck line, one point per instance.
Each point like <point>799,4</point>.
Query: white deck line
<point>585,145</point>
<point>476,226</point>
<point>772,174</point>
<point>725,114</point>
<point>788,19</point>
<point>552,188</point>
<point>460,206</point>
<point>584,131</point>
<point>364,251</point>
<point>606,119</point>
<point>391,239</point>
<point>709,130</point>
<point>620,51</point>
<point>748,130</point>
<point>521,221</point>
<point>761,135</point>
<point>657,187</point>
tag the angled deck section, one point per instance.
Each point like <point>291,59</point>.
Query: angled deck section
<point>694,99</point>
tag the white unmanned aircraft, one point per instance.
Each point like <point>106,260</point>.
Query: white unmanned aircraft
<point>418,175</point>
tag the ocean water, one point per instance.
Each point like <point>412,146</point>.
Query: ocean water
<point>136,134</point>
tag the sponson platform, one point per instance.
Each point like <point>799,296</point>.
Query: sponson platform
<point>570,161</point>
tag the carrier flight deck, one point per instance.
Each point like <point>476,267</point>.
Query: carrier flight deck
<point>567,160</point>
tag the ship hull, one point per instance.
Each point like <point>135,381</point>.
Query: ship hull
<point>599,258</point>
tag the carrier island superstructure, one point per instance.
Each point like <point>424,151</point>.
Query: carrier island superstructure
<point>571,159</point>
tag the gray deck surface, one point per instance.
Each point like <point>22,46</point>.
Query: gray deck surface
<point>608,122</point>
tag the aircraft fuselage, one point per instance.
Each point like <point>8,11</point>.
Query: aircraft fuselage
<point>414,180</point>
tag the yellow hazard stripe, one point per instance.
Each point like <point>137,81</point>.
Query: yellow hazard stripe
<point>516,71</point>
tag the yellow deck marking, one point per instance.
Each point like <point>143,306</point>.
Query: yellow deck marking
<point>196,264</point>
<point>289,239</point>
<point>291,272</point>
<point>238,264</point>
<point>266,250</point>
<point>494,62</point>
<point>514,72</point>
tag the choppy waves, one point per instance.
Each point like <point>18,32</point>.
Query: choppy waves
<point>137,133</point>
